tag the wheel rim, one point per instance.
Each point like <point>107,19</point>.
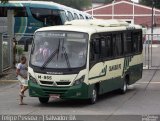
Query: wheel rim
<point>124,86</point>
<point>94,95</point>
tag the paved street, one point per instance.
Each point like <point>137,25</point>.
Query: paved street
<point>142,98</point>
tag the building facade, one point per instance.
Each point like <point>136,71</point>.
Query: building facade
<point>129,11</point>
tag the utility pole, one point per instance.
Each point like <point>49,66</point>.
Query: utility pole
<point>10,24</point>
<point>113,2</point>
<point>152,27</point>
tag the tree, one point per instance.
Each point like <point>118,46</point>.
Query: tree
<point>4,1</point>
<point>78,4</point>
<point>149,3</point>
<point>102,1</point>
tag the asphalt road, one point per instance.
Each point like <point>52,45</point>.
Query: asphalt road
<point>141,98</point>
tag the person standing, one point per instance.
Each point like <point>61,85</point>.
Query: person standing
<point>21,73</point>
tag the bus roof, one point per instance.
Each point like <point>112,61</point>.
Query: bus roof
<point>92,26</point>
<point>42,4</point>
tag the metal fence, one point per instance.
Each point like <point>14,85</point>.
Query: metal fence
<point>151,51</point>
<point>6,52</point>
<point>6,49</point>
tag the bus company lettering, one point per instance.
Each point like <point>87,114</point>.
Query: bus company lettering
<point>115,67</point>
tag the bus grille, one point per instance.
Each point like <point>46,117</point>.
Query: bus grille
<point>49,91</point>
<point>47,82</point>
<point>63,83</point>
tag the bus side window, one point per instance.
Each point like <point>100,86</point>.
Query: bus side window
<point>81,17</point>
<point>117,45</point>
<point>76,16</point>
<point>103,48</point>
<point>106,47</point>
<point>87,17</point>
<point>70,16</point>
<point>127,43</point>
<point>3,12</point>
<point>47,16</point>
<point>109,46</point>
<point>64,16</point>
<point>95,49</point>
<point>137,42</point>
<point>20,12</point>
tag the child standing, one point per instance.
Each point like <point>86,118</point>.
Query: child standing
<point>21,72</point>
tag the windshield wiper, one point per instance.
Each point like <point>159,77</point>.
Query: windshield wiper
<point>51,56</point>
<point>49,59</point>
<point>58,49</point>
<point>66,58</point>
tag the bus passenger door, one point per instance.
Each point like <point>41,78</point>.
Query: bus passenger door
<point>96,65</point>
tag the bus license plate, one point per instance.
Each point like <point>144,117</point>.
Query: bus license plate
<point>54,96</point>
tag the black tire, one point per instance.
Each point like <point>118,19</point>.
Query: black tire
<point>123,89</point>
<point>43,100</point>
<point>94,96</point>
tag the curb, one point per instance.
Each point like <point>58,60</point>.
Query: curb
<point>9,81</point>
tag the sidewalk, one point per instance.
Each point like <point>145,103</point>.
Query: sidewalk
<point>8,75</point>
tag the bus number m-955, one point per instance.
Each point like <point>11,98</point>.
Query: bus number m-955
<point>45,77</point>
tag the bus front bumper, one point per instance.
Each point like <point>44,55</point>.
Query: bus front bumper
<point>73,92</point>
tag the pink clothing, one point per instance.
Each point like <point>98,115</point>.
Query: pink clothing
<point>44,52</point>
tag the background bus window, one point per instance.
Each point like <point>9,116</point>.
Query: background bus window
<point>76,16</point>
<point>87,17</point>
<point>47,16</point>
<point>117,45</point>
<point>3,12</point>
<point>70,16</point>
<point>81,17</point>
<point>20,12</point>
<point>63,16</point>
<point>127,43</point>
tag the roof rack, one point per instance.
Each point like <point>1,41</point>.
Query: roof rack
<point>98,22</point>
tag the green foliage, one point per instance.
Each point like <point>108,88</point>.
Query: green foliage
<point>4,1</point>
<point>78,4</point>
<point>19,50</point>
<point>149,3</point>
<point>102,1</point>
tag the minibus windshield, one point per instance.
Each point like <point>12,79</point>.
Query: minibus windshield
<point>59,50</point>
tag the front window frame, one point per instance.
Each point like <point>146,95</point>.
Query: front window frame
<point>64,70</point>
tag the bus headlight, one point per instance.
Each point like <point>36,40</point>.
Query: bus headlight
<point>32,79</point>
<point>79,81</point>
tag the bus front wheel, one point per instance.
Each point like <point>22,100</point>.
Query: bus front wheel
<point>43,100</point>
<point>93,98</point>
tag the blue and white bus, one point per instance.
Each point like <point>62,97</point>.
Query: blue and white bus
<point>31,15</point>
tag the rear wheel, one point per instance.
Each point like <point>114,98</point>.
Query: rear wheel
<point>93,98</point>
<point>43,100</point>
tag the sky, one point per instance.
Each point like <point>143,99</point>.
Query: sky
<point>135,0</point>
